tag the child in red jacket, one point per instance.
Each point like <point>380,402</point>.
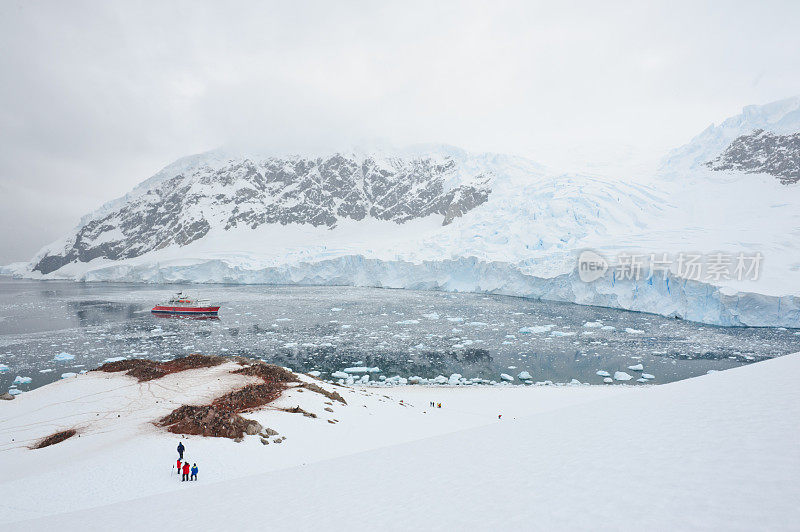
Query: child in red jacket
<point>179,466</point>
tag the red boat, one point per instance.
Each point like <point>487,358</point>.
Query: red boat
<point>181,304</point>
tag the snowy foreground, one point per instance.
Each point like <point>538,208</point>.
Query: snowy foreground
<point>718,451</point>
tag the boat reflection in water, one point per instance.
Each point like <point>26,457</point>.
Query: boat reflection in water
<point>164,315</point>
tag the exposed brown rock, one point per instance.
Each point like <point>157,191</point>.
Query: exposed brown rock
<point>147,370</point>
<point>53,439</point>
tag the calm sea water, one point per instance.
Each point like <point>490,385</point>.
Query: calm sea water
<point>48,328</point>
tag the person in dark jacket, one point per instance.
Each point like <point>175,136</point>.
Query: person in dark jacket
<point>186,469</point>
<point>194,472</point>
<point>180,450</point>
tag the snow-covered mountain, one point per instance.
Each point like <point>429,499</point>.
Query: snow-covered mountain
<point>437,217</point>
<point>182,208</point>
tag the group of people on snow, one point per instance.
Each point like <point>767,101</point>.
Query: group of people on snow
<point>436,405</point>
<point>188,472</point>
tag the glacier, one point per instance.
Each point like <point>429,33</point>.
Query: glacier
<point>434,217</point>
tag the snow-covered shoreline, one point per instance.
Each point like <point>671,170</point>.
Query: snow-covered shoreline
<point>667,456</point>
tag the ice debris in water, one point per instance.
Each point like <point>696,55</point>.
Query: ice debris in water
<point>608,380</point>
<point>524,376</point>
<point>633,331</point>
<point>314,373</point>
<point>14,391</point>
<point>536,329</point>
<point>593,324</point>
<point>621,376</point>
<point>63,356</point>
<point>603,373</point>
<point>506,377</point>
<point>648,376</point>
<point>339,375</point>
<point>114,359</point>
<point>407,322</point>
<point>636,367</point>
<point>68,375</point>
<point>454,379</point>
<point>3,368</point>
<point>22,380</point>
<point>361,369</point>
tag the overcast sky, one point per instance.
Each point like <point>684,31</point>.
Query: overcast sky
<point>97,96</point>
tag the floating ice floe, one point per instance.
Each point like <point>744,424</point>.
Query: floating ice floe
<point>361,369</point>
<point>14,391</point>
<point>648,376</point>
<point>63,356</point>
<point>593,324</point>
<point>608,380</point>
<point>603,373</point>
<point>47,370</point>
<point>416,380</point>
<point>562,333</point>
<point>454,379</point>
<point>339,375</point>
<point>22,380</point>
<point>114,359</point>
<point>314,373</point>
<point>440,379</point>
<point>636,367</point>
<point>621,376</point>
<point>455,320</point>
<point>575,382</point>
<point>608,328</point>
<point>336,309</point>
<point>524,376</point>
<point>633,331</point>
<point>640,379</point>
<point>431,316</point>
<point>68,375</point>
<point>506,377</point>
<point>536,329</point>
<point>3,368</point>
<point>407,322</point>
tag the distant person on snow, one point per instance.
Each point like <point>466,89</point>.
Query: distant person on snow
<point>194,472</point>
<point>181,448</point>
<point>186,469</point>
<point>179,466</point>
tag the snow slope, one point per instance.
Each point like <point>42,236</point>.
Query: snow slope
<point>440,218</point>
<point>695,454</point>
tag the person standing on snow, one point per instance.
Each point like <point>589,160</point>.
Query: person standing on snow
<point>181,448</point>
<point>194,472</point>
<point>179,466</point>
<point>186,469</point>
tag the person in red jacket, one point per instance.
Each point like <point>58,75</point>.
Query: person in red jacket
<point>179,466</point>
<point>186,469</point>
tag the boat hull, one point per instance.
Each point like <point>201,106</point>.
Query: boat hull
<point>185,311</point>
